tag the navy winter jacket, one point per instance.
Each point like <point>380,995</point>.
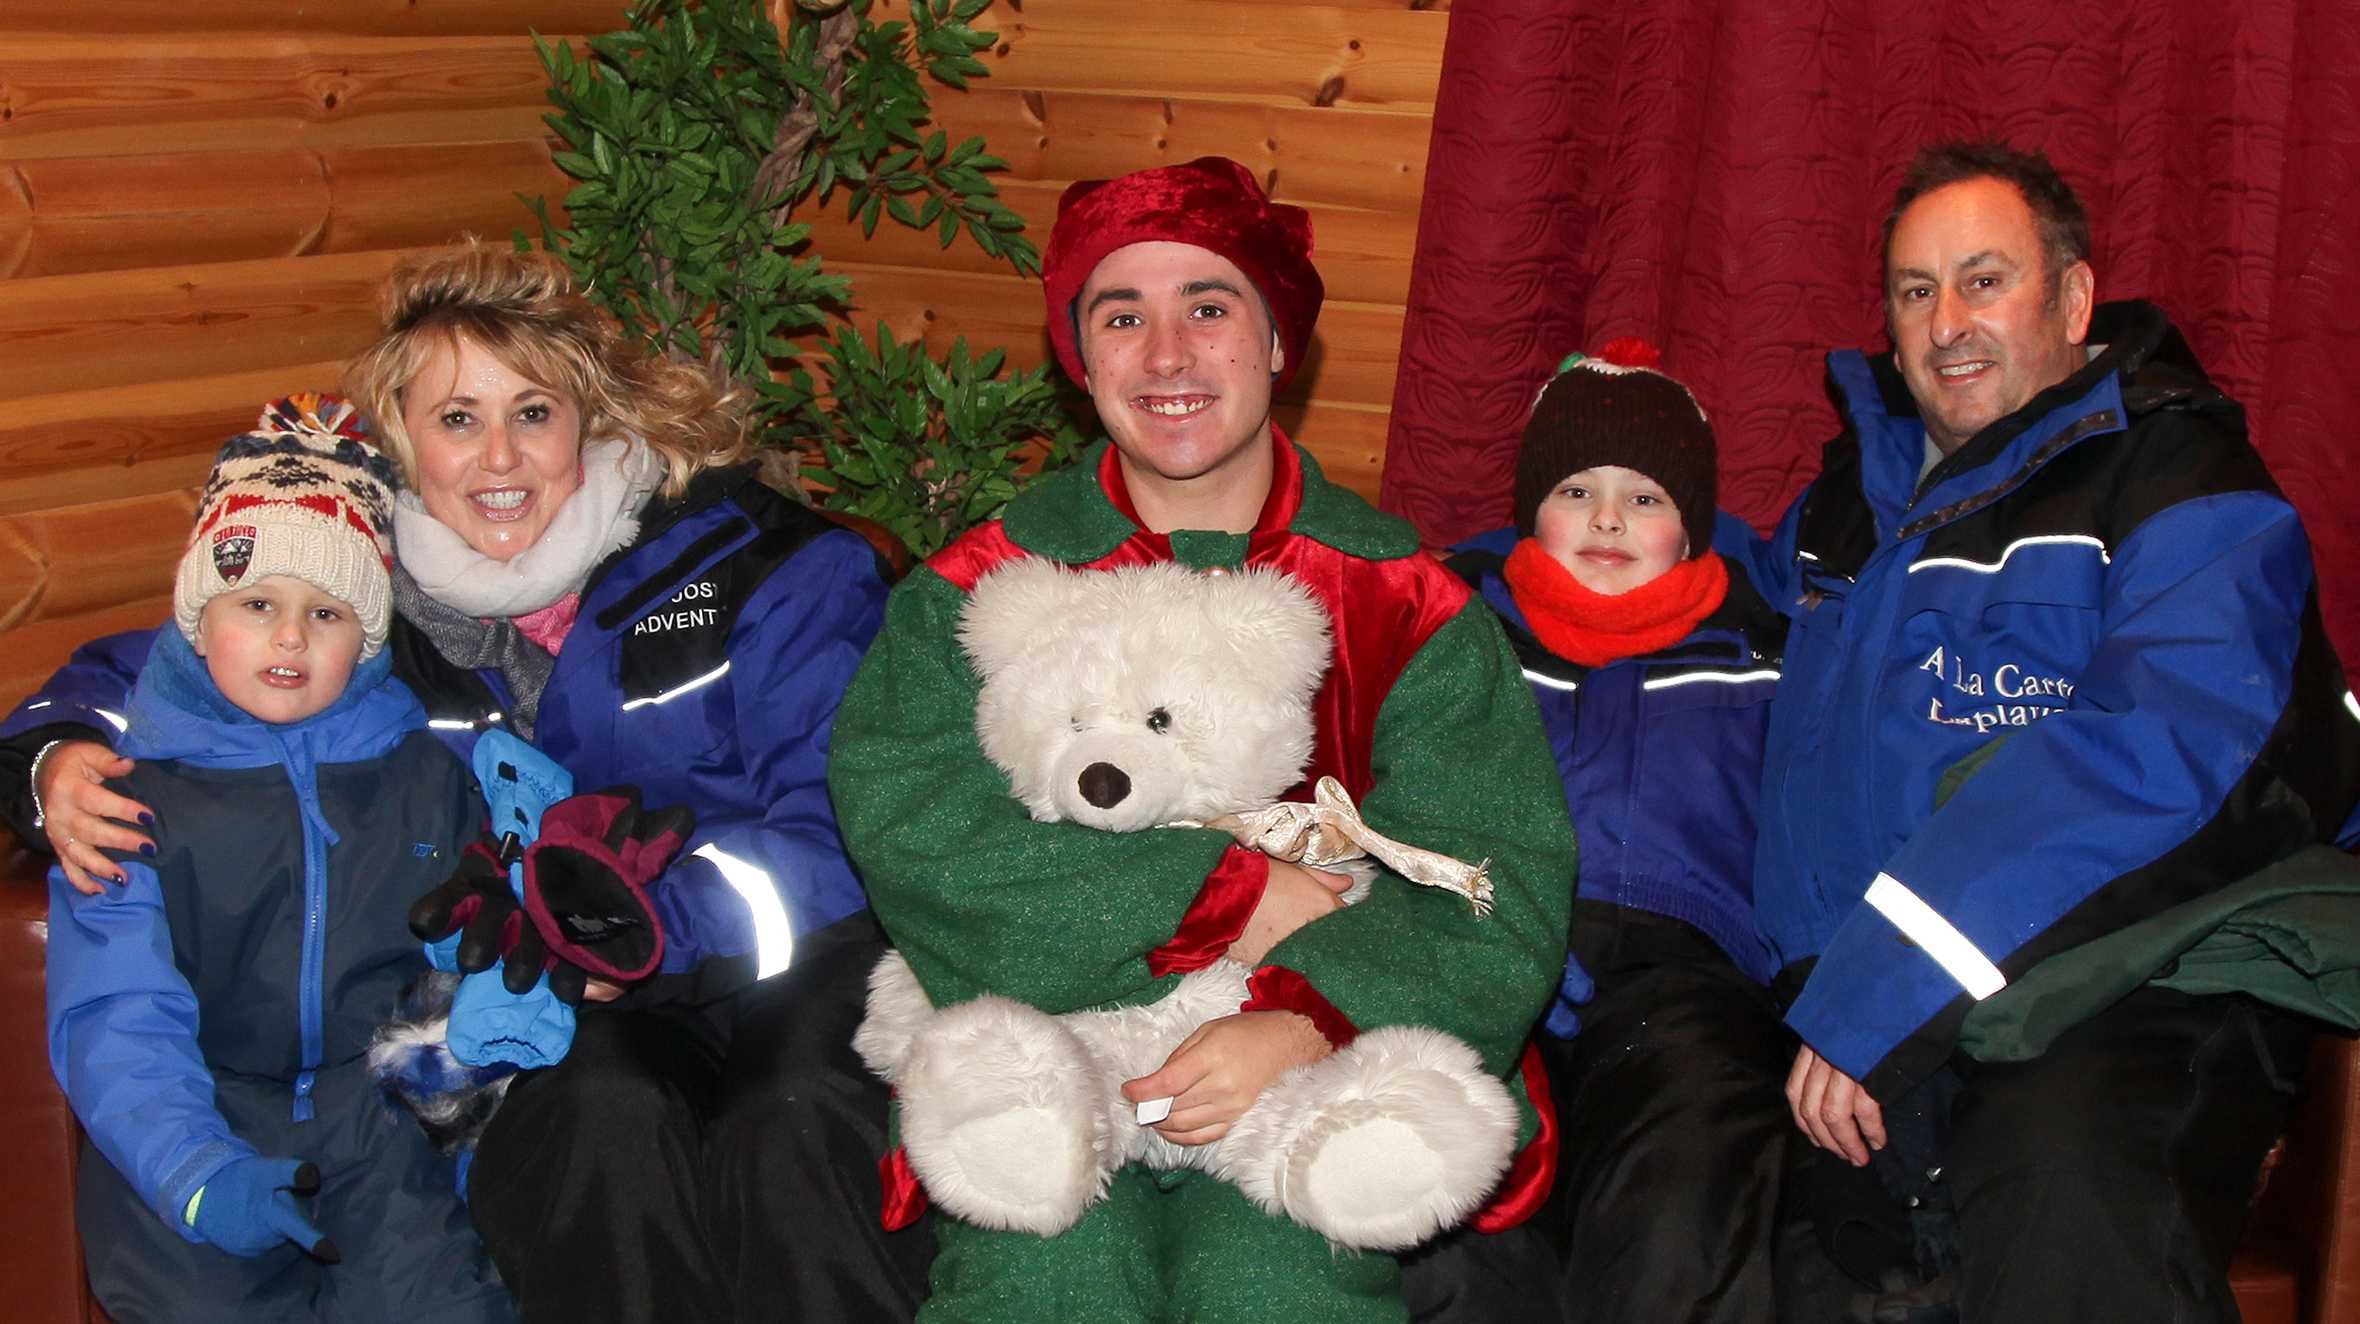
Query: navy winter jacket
<point>1661,756</point>
<point>2104,601</point>
<point>288,857</point>
<point>705,668</point>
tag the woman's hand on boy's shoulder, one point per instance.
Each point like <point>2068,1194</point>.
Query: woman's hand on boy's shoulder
<point>83,819</point>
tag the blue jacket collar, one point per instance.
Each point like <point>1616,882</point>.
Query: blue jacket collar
<point>1893,440</point>
<point>176,712</point>
<point>2142,353</point>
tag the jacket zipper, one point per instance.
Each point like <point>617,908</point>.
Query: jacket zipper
<point>317,837</point>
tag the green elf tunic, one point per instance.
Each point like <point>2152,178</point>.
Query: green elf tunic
<point>1423,717</point>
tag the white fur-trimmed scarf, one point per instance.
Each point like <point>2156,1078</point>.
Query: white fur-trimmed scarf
<point>600,516</point>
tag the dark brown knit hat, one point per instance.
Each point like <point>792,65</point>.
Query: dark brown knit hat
<point>1614,407</point>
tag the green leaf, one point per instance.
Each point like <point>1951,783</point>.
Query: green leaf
<point>661,126</point>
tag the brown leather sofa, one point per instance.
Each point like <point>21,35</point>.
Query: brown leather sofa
<point>2301,1262</point>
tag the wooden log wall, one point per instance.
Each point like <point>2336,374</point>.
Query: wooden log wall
<point>198,198</point>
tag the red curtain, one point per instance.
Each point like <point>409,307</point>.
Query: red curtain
<point>1711,176</point>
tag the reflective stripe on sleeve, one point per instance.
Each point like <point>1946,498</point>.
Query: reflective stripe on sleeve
<point>1950,949</point>
<point>774,937</point>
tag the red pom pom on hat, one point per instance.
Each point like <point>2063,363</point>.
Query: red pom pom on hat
<point>1212,203</point>
<point>1616,407</point>
<point>1630,352</point>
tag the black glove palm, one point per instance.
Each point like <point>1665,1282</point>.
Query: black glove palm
<point>584,911</point>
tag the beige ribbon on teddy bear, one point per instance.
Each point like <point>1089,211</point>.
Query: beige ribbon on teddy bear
<point>1330,831</point>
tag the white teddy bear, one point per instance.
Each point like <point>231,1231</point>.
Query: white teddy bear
<point>1126,700</point>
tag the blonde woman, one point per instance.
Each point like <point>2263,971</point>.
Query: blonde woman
<point>586,557</point>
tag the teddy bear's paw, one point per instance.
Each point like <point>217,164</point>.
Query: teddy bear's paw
<point>1022,1170</point>
<point>999,1120</point>
<point>897,1010</point>
<point>1394,1139</point>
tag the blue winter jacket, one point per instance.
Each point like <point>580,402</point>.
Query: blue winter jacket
<point>2103,601</point>
<point>1661,756</point>
<point>276,904</point>
<point>705,668</point>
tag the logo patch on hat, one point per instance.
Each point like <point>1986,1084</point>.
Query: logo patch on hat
<point>233,551</point>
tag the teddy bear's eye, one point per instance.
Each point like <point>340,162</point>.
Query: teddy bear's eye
<point>1077,724</point>
<point>1159,721</point>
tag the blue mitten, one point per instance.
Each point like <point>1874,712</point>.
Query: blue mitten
<point>1573,991</point>
<point>249,1206</point>
<point>531,1026</point>
<point>491,1025</point>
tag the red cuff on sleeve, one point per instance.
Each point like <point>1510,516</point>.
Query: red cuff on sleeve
<point>904,1199</point>
<point>1276,988</point>
<point>1534,1170</point>
<point>1217,916</point>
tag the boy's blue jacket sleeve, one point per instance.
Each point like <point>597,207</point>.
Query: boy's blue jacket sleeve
<point>2194,669</point>
<point>123,1042</point>
<point>749,881</point>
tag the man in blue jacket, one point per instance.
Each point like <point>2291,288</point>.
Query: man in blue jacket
<point>2056,666</point>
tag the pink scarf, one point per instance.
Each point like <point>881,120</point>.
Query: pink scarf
<point>549,626</point>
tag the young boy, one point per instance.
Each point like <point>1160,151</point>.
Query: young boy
<point>1653,666</point>
<point>209,1017</point>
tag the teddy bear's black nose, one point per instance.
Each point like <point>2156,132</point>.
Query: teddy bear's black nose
<point>1104,785</point>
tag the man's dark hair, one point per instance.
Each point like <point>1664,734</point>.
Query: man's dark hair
<point>2064,226</point>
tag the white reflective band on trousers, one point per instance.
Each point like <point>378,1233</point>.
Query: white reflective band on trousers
<point>1917,921</point>
<point>774,938</point>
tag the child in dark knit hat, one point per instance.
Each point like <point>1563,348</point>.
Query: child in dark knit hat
<point>209,1017</point>
<point>1653,665</point>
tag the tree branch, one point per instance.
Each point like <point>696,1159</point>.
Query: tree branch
<point>796,128</point>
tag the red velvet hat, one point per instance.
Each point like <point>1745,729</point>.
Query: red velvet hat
<point>1211,202</point>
